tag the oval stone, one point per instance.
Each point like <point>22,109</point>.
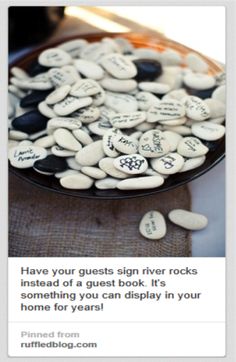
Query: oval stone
<point>54,57</point>
<point>153,144</point>
<point>187,219</point>
<point>82,136</point>
<point>107,165</point>
<point>196,63</point>
<point>199,81</point>
<point>45,142</point>
<point>73,47</point>
<point>125,144</point>
<point>60,77</point>
<point>58,95</point>
<point>71,104</point>
<point>30,122</point>
<point>208,131</point>
<point>118,66</point>
<point>132,164</point>
<point>51,164</point>
<point>128,120</point>
<point>46,110</point>
<point>61,152</point>
<point>220,94</point>
<point>76,182</point>
<point>26,156</point>
<point>146,100</point>
<point>87,115</point>
<point>93,172</point>
<point>192,163</point>
<point>33,98</point>
<point>107,142</point>
<point>118,85</point>
<point>107,183</point>
<point>196,108</point>
<point>148,69</point>
<point>89,69</point>
<point>173,139</point>
<point>217,108</point>
<point>65,139</point>
<point>166,110</point>
<point>63,122</point>
<point>120,102</point>
<point>153,225</point>
<point>154,87</point>
<point>168,164</point>
<point>85,88</point>
<point>191,147</point>
<point>141,183</point>
<point>91,154</point>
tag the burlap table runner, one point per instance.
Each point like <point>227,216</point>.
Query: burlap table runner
<point>46,224</point>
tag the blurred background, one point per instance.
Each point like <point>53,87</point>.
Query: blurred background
<point>199,27</point>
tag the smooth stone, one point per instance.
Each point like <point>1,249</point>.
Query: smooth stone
<point>196,108</point>
<point>146,100</point>
<point>34,98</point>
<point>148,69</point>
<point>153,144</point>
<point>99,127</point>
<point>146,54</point>
<point>144,126</point>
<point>58,95</point>
<point>170,57</point>
<point>203,94</point>
<point>60,77</point>
<point>94,172</point>
<point>94,51</point>
<point>125,144</point>
<point>54,57</point>
<point>107,183</point>
<point>132,164</point>
<point>151,172</point>
<point>51,164</point>
<point>140,183</point>
<point>168,164</point>
<point>61,152</point>
<point>114,47</point>
<point>70,104</point>
<point>91,154</point>
<point>208,131</point>
<point>192,163</point>
<point>187,219</point>
<point>196,63</point>
<point>65,139</point>
<point>73,47</point>
<point>128,120</point>
<point>218,120</point>
<point>182,130</point>
<point>19,73</point>
<point>118,66</point>
<point>82,136</point>
<point>39,82</point>
<point>73,164</point>
<point>45,142</point>
<point>85,88</point>
<point>107,165</point>
<point>66,173</point>
<point>63,122</point>
<point>72,72</point>
<point>46,110</point>
<point>177,94</point>
<point>173,139</point>
<point>220,94</point>
<point>89,69</point>
<point>118,85</point>
<point>191,147</point>
<point>217,108</point>
<point>154,87</point>
<point>17,92</point>
<point>174,122</point>
<point>17,135</point>
<point>107,142</point>
<point>26,156</point>
<point>153,225</point>
<point>87,115</point>
<point>76,182</point>
<point>120,102</point>
<point>124,44</point>
<point>30,122</point>
<point>166,110</point>
<point>199,81</point>
<point>172,76</point>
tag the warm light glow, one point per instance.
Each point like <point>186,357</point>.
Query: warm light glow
<point>95,20</point>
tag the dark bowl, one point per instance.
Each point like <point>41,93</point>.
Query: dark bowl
<point>215,154</point>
